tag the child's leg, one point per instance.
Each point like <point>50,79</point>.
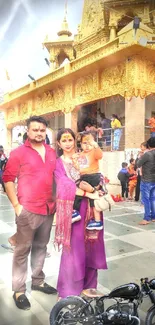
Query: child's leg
<point>126,191</point>
<point>76,207</point>
<point>96,223</point>
<point>132,185</point>
<point>97,216</point>
<point>123,185</point>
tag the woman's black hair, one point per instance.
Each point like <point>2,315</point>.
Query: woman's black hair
<point>59,135</point>
<point>116,116</point>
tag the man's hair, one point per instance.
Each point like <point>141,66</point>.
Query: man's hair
<point>131,160</point>
<point>36,118</point>
<point>151,142</point>
<point>124,164</point>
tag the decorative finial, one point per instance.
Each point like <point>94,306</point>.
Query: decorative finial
<point>66,6</point>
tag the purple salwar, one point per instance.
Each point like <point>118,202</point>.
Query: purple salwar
<point>79,264</point>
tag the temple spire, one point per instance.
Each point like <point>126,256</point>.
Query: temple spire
<point>64,27</point>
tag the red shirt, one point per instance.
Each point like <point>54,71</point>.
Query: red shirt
<point>35,177</point>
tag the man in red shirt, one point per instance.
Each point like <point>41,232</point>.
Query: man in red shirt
<point>32,164</point>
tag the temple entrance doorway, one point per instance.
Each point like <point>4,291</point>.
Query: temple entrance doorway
<point>96,112</point>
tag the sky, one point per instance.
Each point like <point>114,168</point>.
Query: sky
<point>23,27</point>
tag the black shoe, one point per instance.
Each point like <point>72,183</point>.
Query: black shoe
<point>22,302</point>
<point>46,289</point>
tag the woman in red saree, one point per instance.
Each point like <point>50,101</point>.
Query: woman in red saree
<point>83,252</point>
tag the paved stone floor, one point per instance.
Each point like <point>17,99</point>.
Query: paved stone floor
<point>130,250</point>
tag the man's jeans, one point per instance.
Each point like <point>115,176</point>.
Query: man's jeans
<point>148,199</point>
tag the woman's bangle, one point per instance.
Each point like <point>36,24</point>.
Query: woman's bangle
<point>84,193</point>
<point>93,190</point>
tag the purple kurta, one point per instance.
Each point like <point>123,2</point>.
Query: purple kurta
<point>79,264</point>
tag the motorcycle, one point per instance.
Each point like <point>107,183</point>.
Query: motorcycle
<point>75,310</point>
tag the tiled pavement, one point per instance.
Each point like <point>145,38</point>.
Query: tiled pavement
<point>130,252</point>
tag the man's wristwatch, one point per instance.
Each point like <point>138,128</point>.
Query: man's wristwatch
<point>93,190</point>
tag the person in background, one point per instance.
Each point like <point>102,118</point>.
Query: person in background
<point>123,177</point>
<point>117,128</point>
<point>83,251</point>
<point>3,161</point>
<point>132,179</point>
<point>151,123</point>
<point>106,124</point>
<point>144,149</point>
<point>32,164</point>
<point>147,187</point>
<point>47,140</point>
<point>98,131</point>
<point>20,139</point>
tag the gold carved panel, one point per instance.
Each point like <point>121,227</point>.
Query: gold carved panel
<point>86,88</point>
<point>113,80</point>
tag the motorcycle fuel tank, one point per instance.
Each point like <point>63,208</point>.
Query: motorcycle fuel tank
<point>126,291</point>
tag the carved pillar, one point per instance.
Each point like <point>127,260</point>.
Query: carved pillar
<point>134,122</point>
<point>74,118</point>
<point>68,123</point>
<point>71,120</point>
<point>112,33</point>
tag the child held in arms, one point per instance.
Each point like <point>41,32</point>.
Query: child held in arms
<point>87,162</point>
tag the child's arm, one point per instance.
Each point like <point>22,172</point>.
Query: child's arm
<point>98,154</point>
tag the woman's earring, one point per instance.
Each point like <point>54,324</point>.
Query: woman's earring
<point>59,148</point>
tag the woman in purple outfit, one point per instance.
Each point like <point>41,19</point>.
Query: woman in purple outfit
<point>83,251</point>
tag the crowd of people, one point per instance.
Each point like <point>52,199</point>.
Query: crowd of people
<point>108,131</point>
<point>138,179</point>
<point>67,182</point>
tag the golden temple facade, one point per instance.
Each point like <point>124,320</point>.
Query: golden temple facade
<point>112,54</point>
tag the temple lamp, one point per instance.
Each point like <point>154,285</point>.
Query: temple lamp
<point>31,77</point>
<point>47,62</point>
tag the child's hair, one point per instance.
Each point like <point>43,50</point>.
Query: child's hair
<point>144,144</point>
<point>124,164</point>
<point>131,160</point>
<point>83,134</point>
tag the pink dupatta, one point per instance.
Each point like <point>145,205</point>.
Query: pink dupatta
<point>65,195</point>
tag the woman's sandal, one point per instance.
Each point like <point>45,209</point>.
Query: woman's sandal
<point>59,298</point>
<point>91,293</point>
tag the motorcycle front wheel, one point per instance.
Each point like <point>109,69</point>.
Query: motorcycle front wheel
<point>69,311</point>
<point>150,317</point>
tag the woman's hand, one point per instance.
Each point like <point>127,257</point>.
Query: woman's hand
<point>93,196</point>
<point>86,187</point>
